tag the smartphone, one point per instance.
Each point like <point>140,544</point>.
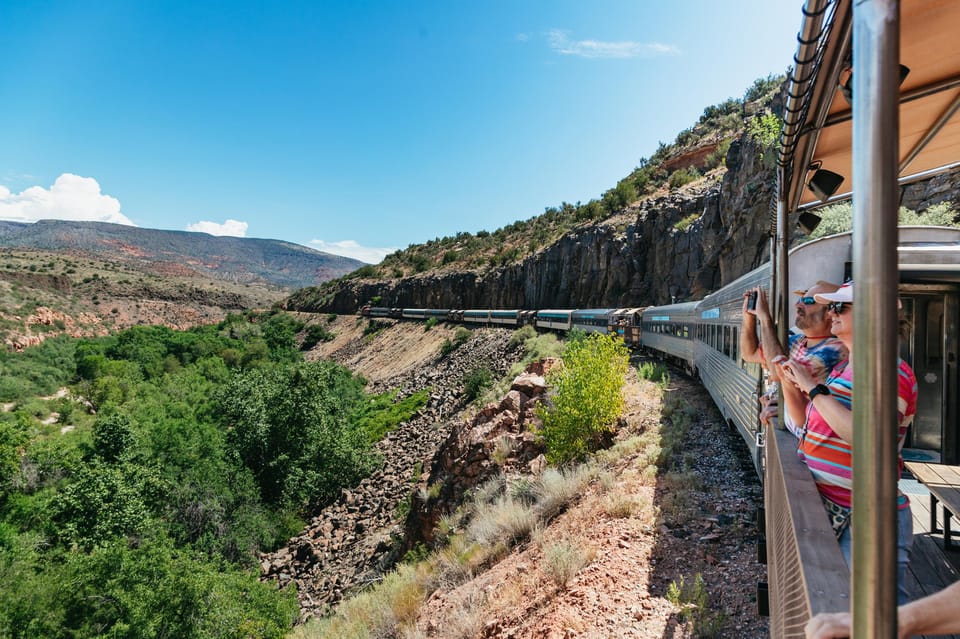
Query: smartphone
<point>752,301</point>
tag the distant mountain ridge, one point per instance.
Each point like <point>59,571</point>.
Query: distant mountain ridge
<point>234,259</point>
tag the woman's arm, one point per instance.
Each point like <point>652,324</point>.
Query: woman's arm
<point>838,416</point>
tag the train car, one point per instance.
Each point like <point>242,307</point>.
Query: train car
<point>505,318</point>
<point>668,332</point>
<point>625,322</point>
<point>439,313</point>
<point>733,384</point>
<point>591,320</point>
<point>376,311</point>
<point>414,313</point>
<point>556,319</point>
<point>476,316</point>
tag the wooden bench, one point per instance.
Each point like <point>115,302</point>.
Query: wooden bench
<point>943,482</point>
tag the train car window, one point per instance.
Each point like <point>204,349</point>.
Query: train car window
<point>686,331</point>
<point>735,343</point>
<point>726,341</point>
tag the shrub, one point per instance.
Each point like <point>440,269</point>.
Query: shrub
<point>686,222</point>
<point>476,382</point>
<point>587,397</point>
<point>316,333</point>
<point>692,600</point>
<point>558,489</point>
<point>380,414</point>
<point>430,323</point>
<point>521,335</point>
<point>683,176</point>
<point>460,336</point>
<point>366,271</point>
<point>765,130</point>
<point>653,371</point>
<point>504,521</point>
<point>762,86</point>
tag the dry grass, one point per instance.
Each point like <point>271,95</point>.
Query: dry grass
<point>559,488</point>
<point>562,561</point>
<point>505,520</point>
<point>621,506</point>
<point>378,613</point>
<point>503,448</point>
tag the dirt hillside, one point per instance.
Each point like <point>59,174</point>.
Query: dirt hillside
<point>640,532</point>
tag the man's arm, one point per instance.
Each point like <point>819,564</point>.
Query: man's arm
<point>772,349</point>
<point>936,614</point>
<point>749,342</point>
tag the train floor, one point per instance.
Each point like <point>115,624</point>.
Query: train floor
<point>931,566</point>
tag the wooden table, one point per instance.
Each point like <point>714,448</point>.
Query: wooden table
<point>943,482</point>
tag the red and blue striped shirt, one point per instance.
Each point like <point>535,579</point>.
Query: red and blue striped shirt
<point>828,456</point>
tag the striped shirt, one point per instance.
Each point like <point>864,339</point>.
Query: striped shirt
<point>830,458</point>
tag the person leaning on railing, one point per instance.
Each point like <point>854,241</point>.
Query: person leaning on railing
<point>815,345</point>
<point>936,614</point>
<point>827,441</point>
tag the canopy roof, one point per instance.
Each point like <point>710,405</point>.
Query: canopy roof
<point>819,130</point>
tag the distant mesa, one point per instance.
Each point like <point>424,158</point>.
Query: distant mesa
<point>235,259</point>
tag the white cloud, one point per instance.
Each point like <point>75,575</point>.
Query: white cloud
<point>350,248</point>
<point>71,197</point>
<point>523,37</point>
<point>231,228</point>
<point>561,43</point>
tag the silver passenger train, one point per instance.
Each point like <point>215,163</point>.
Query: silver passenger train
<point>703,337</point>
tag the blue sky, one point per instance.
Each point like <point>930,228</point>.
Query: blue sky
<point>355,127</point>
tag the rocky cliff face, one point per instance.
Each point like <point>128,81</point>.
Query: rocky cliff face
<point>675,247</point>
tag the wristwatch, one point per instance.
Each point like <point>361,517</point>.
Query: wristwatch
<point>819,389</point>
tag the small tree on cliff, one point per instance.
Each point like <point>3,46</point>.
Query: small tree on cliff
<point>588,397</point>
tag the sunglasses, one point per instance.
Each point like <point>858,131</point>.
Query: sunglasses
<point>806,300</point>
<point>837,307</point>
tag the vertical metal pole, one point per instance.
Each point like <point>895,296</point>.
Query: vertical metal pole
<point>780,291</point>
<point>876,52</point>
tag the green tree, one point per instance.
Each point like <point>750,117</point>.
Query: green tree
<point>112,437</point>
<point>13,435</point>
<point>104,502</point>
<point>838,218</point>
<point>587,397</point>
<point>289,426</point>
<point>154,591</point>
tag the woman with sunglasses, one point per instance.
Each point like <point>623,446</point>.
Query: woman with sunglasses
<point>813,345</point>
<point>826,445</point>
